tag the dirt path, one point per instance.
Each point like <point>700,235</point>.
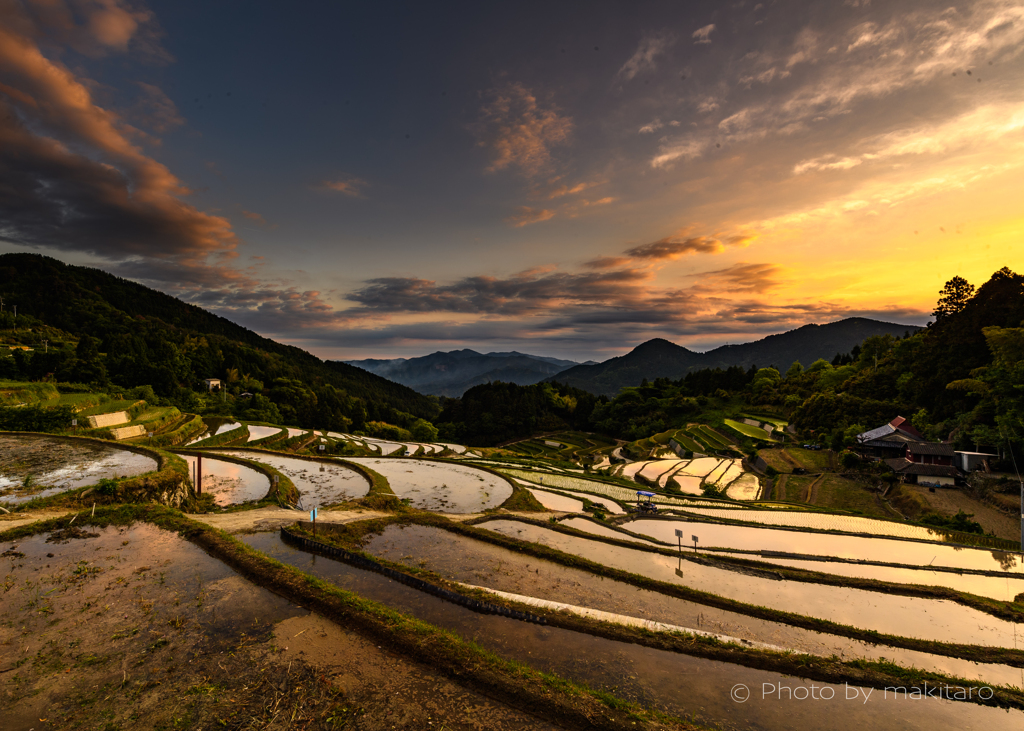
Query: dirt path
<point>15,520</point>
<point>780,487</point>
<point>811,496</point>
<point>792,462</point>
<point>948,502</point>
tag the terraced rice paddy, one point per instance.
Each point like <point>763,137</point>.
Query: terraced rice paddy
<point>825,521</point>
<point>319,483</point>
<point>228,482</point>
<point>897,615</point>
<point>464,559</point>
<point>441,486</point>
<point>880,549</point>
<point>559,503</point>
<point>33,466</point>
<point>261,432</point>
<point>643,674</point>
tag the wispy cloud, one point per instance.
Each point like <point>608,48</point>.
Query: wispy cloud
<point>644,58</point>
<point>525,215</point>
<point>703,35</point>
<point>520,131</point>
<point>843,68</point>
<point>350,186</point>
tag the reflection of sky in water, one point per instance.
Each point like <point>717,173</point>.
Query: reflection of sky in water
<point>230,483</point>
<point>62,466</point>
<point>333,483</point>
<point>259,432</point>
<point>439,486</point>
<point>669,681</point>
<point>551,501</point>
<point>219,430</point>
<point>888,550</point>
<point>921,618</point>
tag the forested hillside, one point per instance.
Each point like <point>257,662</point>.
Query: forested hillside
<point>958,379</point>
<point>106,331</point>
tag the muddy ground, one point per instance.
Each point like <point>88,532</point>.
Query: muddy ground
<point>136,628</point>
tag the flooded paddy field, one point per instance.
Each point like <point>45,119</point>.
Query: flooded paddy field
<point>824,521</point>
<point>1004,588</point>
<point>261,432</point>
<point>440,486</point>
<point>215,427</point>
<point>34,466</point>
<point>881,548</point>
<point>229,483</point>
<point>914,617</point>
<point>666,681</point>
<point>137,628</point>
<point>469,561</point>
<point>319,483</point>
<point>552,501</point>
<point>607,504</point>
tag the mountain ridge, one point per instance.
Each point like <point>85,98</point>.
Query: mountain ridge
<point>454,372</point>
<point>660,358</point>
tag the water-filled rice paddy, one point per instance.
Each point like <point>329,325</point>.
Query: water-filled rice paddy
<point>914,617</point>
<point>261,432</point>
<point>464,559</point>
<point>652,677</point>
<point>823,521</point>
<point>1003,588</point>
<point>319,483</point>
<point>882,549</point>
<point>551,501</point>
<point>230,483</point>
<point>441,486</point>
<point>52,466</point>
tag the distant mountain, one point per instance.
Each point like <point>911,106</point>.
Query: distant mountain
<point>453,373</point>
<point>661,359</point>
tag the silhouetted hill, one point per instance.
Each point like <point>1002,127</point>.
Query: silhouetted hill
<point>661,359</point>
<point>453,373</point>
<point>145,337</point>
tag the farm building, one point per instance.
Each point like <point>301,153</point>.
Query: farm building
<point>888,441</point>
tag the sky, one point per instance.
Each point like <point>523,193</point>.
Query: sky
<point>376,180</point>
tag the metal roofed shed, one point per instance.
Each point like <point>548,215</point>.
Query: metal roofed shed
<point>645,502</point>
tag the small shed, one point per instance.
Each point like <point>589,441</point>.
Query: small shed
<point>212,383</point>
<point>972,461</point>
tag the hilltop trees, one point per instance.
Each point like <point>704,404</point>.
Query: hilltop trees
<point>953,297</point>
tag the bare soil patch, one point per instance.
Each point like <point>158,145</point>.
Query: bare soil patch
<point>137,628</point>
<point>949,501</point>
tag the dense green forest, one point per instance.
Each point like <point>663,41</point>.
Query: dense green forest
<point>88,327</point>
<point>961,379</point>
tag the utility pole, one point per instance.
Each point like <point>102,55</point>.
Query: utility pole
<point>46,346</point>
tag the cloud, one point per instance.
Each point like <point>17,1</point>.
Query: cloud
<point>74,180</point>
<point>703,35</point>
<point>520,132</point>
<point>671,248</point>
<point>94,28</point>
<point>350,186</point>
<point>252,216</point>
<point>987,125</point>
<point>519,295</point>
<point>741,278</point>
<point>155,110</point>
<point>643,59</point>
<point>862,62</point>
<point>525,215</point>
